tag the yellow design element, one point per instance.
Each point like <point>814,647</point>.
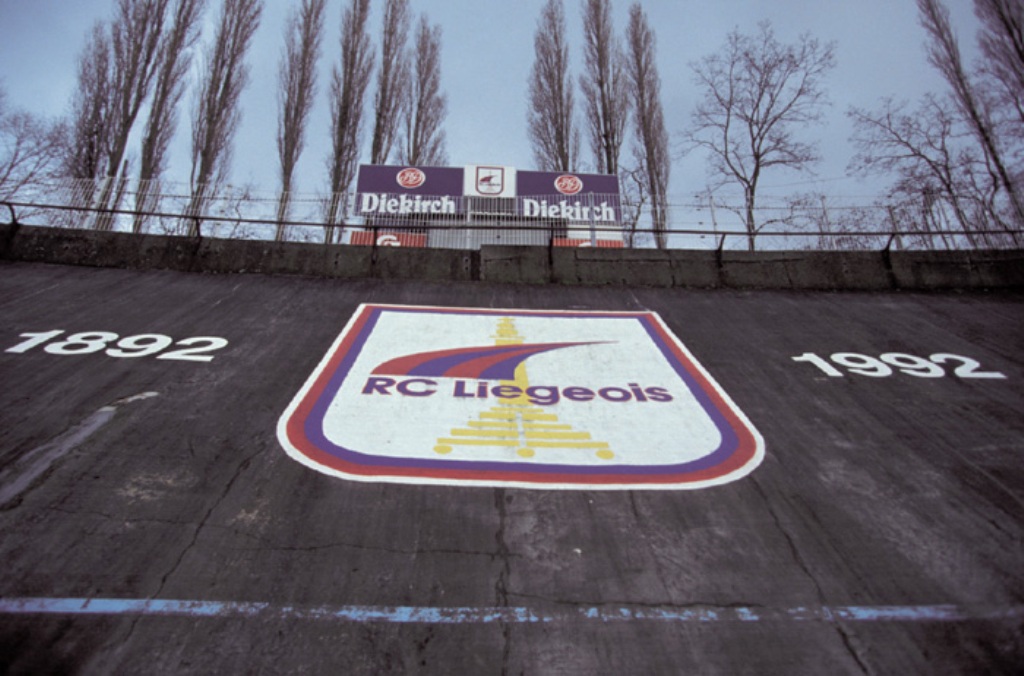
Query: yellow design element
<point>516,422</point>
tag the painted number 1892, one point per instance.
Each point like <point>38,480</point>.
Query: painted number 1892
<point>199,348</point>
<point>935,366</point>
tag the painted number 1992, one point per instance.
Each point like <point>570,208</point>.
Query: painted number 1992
<point>199,348</point>
<point>887,364</point>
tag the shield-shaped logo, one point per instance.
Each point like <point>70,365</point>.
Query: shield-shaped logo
<point>490,180</point>
<point>519,398</point>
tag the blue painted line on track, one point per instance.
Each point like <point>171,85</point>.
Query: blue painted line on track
<point>508,615</point>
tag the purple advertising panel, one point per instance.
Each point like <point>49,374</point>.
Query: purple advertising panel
<point>389,191</point>
<point>562,183</point>
<point>432,181</point>
<point>579,198</point>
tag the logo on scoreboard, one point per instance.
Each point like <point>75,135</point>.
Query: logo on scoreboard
<point>490,180</point>
<point>411,177</point>
<point>520,398</point>
<point>567,184</point>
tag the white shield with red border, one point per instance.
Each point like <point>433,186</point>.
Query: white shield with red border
<point>517,398</point>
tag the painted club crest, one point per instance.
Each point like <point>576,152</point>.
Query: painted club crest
<point>490,180</point>
<point>519,398</point>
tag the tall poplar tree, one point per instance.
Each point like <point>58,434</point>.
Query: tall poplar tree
<point>175,60</point>
<point>135,36</point>
<point>604,85</point>
<point>296,91</point>
<point>349,81</point>
<point>551,123</point>
<point>392,80</point>
<point>115,76</point>
<point>651,139</point>
<point>217,112</point>
<point>427,106</point>
<point>87,149</point>
<point>944,55</point>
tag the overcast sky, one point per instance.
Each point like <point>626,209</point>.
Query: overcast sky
<point>487,55</point>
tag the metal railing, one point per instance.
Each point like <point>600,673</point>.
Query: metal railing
<point>242,213</point>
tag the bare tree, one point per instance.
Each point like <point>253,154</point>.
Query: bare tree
<point>651,147</point>
<point>632,198</point>
<point>604,86</point>
<point>944,55</point>
<point>829,226</point>
<point>217,113</point>
<point>135,36</point>
<point>175,59</point>
<point>135,39</point>
<point>1002,44</point>
<point>924,149</point>
<point>757,92</point>
<point>427,107</point>
<point>86,153</point>
<point>1001,74</point>
<point>349,82</point>
<point>296,91</point>
<point>392,80</point>
<point>551,121</point>
<point>84,157</point>
<point>30,150</point>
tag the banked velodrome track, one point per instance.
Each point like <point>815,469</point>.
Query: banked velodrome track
<point>166,507</point>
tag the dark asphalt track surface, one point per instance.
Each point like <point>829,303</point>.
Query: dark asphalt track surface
<point>152,523</point>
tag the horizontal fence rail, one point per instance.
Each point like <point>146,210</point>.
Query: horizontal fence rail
<point>603,221</point>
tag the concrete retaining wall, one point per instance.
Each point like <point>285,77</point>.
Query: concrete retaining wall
<point>860,270</point>
<point>124,250</point>
<point>850,270</point>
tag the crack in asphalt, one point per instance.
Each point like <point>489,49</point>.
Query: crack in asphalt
<point>799,560</point>
<point>501,584</point>
<point>244,464</point>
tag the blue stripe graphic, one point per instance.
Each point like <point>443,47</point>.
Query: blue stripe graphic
<point>509,615</point>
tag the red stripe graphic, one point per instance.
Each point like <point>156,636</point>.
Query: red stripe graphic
<point>487,362</point>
